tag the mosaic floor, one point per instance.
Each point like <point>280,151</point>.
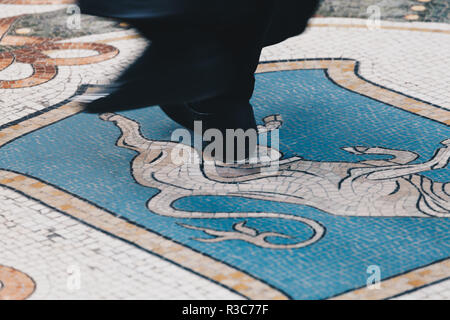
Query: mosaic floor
<point>362,192</point>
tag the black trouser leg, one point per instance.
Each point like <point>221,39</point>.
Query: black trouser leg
<point>232,109</point>
<point>243,43</point>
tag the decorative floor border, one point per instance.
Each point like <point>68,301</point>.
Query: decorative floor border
<point>343,72</point>
<point>34,51</point>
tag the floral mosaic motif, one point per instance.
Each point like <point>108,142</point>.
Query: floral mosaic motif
<point>34,51</point>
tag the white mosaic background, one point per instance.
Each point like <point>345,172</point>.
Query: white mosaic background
<point>439,291</point>
<point>44,243</point>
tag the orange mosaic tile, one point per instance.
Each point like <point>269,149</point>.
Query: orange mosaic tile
<point>46,58</point>
<point>16,285</point>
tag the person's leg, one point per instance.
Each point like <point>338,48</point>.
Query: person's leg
<point>232,109</point>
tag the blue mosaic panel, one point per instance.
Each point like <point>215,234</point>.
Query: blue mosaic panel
<point>79,155</point>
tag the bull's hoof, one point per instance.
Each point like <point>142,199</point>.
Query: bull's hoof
<point>272,122</point>
<point>358,150</point>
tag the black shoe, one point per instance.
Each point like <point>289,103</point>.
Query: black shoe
<point>184,115</point>
<point>220,114</point>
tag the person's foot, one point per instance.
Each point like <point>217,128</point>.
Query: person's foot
<point>184,115</point>
<point>220,114</point>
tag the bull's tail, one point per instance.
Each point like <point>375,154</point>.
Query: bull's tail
<point>161,204</point>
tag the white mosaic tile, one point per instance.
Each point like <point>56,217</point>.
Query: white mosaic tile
<point>9,10</point>
<point>44,243</point>
<point>49,247</point>
<point>438,291</point>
